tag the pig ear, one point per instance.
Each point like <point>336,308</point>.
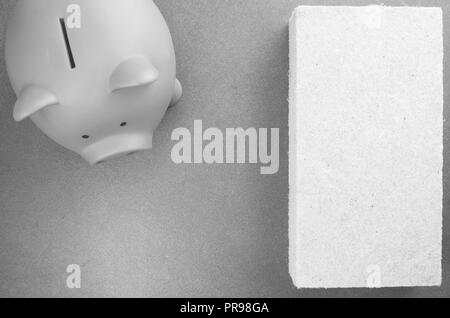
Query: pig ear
<point>31,100</point>
<point>133,72</point>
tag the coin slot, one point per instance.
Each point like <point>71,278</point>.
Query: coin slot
<point>67,42</point>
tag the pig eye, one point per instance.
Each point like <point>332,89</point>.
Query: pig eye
<point>123,124</point>
<point>86,137</point>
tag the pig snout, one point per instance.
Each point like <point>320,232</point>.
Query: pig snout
<point>117,146</point>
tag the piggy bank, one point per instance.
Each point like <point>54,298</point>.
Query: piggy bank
<point>96,76</point>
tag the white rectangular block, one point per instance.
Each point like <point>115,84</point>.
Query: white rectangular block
<point>366,146</point>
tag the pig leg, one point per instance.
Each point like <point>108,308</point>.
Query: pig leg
<point>178,92</point>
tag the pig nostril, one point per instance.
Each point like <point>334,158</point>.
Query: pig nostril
<point>86,137</point>
<point>123,124</point>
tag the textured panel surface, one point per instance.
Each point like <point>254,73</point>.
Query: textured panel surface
<point>366,146</point>
<point>143,226</point>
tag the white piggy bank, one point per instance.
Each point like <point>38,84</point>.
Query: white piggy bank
<point>96,76</point>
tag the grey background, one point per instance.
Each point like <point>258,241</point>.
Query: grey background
<point>142,226</point>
